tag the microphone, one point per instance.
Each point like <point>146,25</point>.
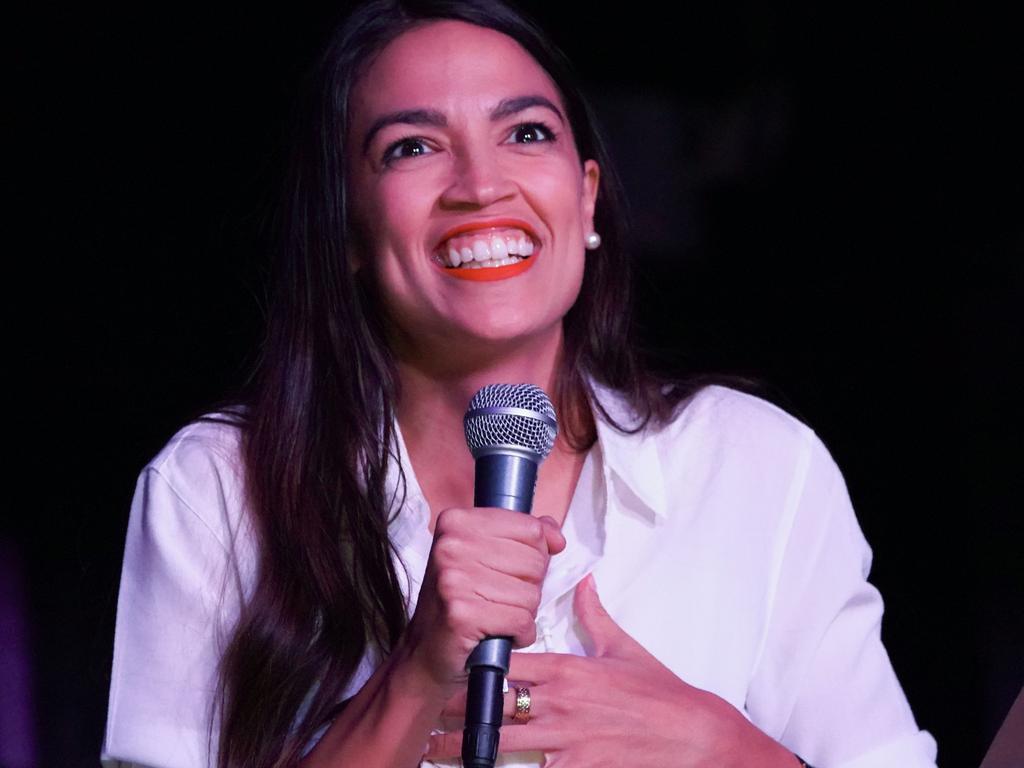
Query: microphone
<point>510,430</point>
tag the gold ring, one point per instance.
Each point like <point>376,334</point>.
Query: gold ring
<point>522,713</point>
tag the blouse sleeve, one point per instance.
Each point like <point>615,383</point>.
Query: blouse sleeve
<point>824,685</point>
<point>171,620</point>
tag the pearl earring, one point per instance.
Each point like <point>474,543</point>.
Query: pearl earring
<point>593,241</point>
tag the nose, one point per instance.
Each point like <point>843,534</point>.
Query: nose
<point>478,180</point>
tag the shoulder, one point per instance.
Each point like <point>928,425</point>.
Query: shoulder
<point>189,567</point>
<point>738,419</point>
<point>210,444</point>
<point>200,473</point>
<point>751,454</point>
<point>721,421</point>
<point>723,450</point>
<point>738,428</point>
<point>750,434</point>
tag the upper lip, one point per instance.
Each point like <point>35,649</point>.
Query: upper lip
<point>471,226</point>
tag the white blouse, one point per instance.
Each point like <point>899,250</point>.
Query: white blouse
<point>725,543</point>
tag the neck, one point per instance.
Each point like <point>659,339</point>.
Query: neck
<point>434,397</point>
<point>433,402</point>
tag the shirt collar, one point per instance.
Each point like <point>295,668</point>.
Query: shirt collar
<point>632,458</point>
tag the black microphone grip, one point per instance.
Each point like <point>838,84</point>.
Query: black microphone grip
<point>506,481</point>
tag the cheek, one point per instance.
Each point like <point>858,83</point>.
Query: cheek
<point>396,212</point>
<point>558,191</point>
<point>394,245</point>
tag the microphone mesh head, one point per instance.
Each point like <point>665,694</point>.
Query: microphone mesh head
<point>487,427</point>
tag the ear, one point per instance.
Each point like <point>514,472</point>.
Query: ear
<point>591,183</point>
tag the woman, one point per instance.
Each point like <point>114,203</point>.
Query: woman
<point>305,578</point>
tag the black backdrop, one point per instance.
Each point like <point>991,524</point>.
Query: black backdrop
<point>829,200</point>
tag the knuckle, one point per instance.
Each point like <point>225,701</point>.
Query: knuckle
<point>560,706</point>
<point>534,601</point>
<point>449,584</point>
<point>571,670</point>
<point>536,532</point>
<point>539,567</point>
<point>442,522</point>
<point>449,519</point>
<point>526,636</point>
<point>447,547</point>
<point>455,612</point>
<point>526,624</point>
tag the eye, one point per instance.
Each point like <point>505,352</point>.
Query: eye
<point>532,133</point>
<point>410,146</point>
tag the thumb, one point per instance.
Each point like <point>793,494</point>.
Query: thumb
<point>555,538</point>
<point>605,634</point>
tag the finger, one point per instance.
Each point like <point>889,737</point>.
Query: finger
<point>536,668</point>
<point>489,522</point>
<point>540,532</point>
<point>527,738</point>
<point>500,620</point>
<point>453,715</point>
<point>507,524</point>
<point>555,538</point>
<point>444,745</point>
<point>501,590</point>
<point>536,736</point>
<point>513,558</point>
<point>605,635</point>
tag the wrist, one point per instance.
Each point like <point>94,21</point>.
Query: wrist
<point>415,678</point>
<point>755,747</point>
<point>388,723</point>
<point>772,754</point>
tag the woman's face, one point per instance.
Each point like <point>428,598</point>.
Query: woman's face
<point>459,149</point>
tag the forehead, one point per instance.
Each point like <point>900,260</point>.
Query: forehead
<point>449,65</point>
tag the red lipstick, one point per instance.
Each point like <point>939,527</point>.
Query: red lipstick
<point>472,226</point>
<point>488,274</point>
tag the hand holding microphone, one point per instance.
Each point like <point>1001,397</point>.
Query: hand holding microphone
<point>483,578</point>
<point>487,564</point>
<point>510,430</point>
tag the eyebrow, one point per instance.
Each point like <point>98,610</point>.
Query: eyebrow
<point>505,108</point>
<point>508,107</point>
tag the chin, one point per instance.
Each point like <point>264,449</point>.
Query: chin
<point>501,331</point>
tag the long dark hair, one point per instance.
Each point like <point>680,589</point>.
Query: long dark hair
<point>317,421</point>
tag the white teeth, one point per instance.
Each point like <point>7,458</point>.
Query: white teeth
<point>493,249</point>
<point>481,252</point>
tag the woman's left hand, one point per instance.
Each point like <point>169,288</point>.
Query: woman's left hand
<point>618,706</point>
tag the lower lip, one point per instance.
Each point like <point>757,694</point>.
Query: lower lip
<point>487,274</point>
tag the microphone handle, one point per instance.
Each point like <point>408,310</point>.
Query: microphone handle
<point>505,480</point>
<point>501,480</point>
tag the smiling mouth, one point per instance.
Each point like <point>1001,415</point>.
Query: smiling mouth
<point>488,254</point>
<point>486,249</point>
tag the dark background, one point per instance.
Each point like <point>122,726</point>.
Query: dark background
<point>827,199</point>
